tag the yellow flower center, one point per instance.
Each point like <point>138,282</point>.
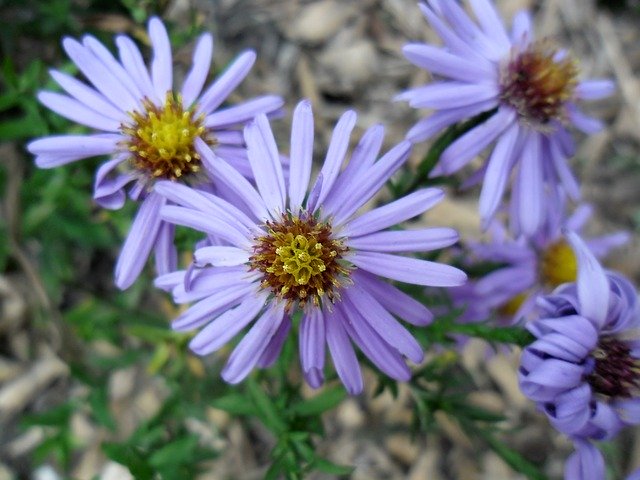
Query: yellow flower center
<point>558,264</point>
<point>299,260</point>
<point>161,139</point>
<point>510,308</point>
<point>538,81</point>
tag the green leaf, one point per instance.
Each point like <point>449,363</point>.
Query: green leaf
<point>510,456</point>
<point>176,452</point>
<point>99,402</point>
<point>235,404</point>
<point>322,402</point>
<point>56,417</point>
<point>266,409</point>
<point>130,458</point>
<point>331,468</point>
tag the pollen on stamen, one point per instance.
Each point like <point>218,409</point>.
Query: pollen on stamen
<point>299,260</point>
<point>161,139</point>
<point>538,82</point>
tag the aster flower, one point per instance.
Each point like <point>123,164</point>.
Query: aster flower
<point>583,371</point>
<point>530,88</point>
<point>147,129</point>
<point>530,266</point>
<point>305,251</point>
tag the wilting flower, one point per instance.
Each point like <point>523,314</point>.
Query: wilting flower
<point>304,250</point>
<point>583,371</point>
<point>148,130</point>
<point>529,267</point>
<point>528,87</point>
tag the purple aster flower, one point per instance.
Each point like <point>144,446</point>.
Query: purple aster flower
<point>147,129</point>
<point>583,370</point>
<point>530,267</point>
<point>302,251</point>
<point>529,86</point>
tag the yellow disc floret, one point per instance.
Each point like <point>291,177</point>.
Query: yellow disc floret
<point>161,139</point>
<point>558,264</point>
<point>299,259</point>
<point>511,307</point>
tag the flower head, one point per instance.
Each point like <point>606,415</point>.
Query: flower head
<point>527,267</point>
<point>302,249</point>
<point>147,128</point>
<point>583,370</point>
<point>530,88</point>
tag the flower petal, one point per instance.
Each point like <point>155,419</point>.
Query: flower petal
<point>301,154</point>
<point>378,174</point>
<point>440,62</point>
<point>234,180</point>
<point>161,65</point>
<point>383,355</point>
<point>265,163</point>
<point>422,240</point>
<point>344,358</point>
<point>243,112</point>
<point>104,55</point>
<point>447,95</point>
<point>409,270</point>
<point>211,306</point>
<point>245,356</point>
<point>99,75</point>
<point>61,149</point>
<point>222,329</point>
<point>465,148</point>
<point>586,463</point>
<point>358,300</point>
<point>497,174</point>
<point>394,300</point>
<point>88,96</point>
<point>530,187</point>
<point>336,153</point>
<point>165,253</point>
<point>132,61</point>
<point>312,340</point>
<point>221,256</point>
<point>434,123</point>
<point>595,89</point>
<point>139,242</point>
<point>593,285</point>
<point>201,63</point>
<point>72,109</point>
<point>393,213</point>
<point>196,220</point>
<point>274,347</point>
<point>217,93</point>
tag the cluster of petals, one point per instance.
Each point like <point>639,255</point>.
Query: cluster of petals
<point>229,295</point>
<point>557,370</point>
<point>520,275</point>
<point>471,64</point>
<point>119,86</point>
